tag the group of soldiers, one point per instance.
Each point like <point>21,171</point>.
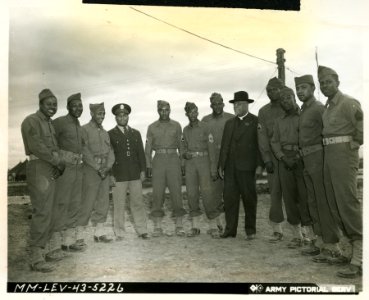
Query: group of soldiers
<point>310,156</point>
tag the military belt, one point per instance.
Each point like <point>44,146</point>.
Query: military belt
<point>304,151</point>
<point>71,157</point>
<point>337,140</point>
<point>198,153</point>
<point>166,151</point>
<point>290,147</point>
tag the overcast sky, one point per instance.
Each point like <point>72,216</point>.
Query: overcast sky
<point>114,54</point>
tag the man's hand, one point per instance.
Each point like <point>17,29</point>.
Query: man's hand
<point>55,173</point>
<point>183,170</point>
<point>142,176</point>
<point>259,172</point>
<point>289,163</point>
<point>148,172</point>
<point>269,166</point>
<point>187,155</point>
<point>214,176</point>
<point>221,173</point>
<point>103,172</point>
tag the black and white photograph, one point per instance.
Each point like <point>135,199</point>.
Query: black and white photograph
<point>157,149</point>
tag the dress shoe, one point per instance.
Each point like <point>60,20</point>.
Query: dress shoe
<point>81,242</point>
<point>277,237</point>
<point>144,236</point>
<point>350,271</point>
<point>250,237</point>
<point>295,243</point>
<point>214,233</point>
<point>338,261</point>
<point>227,235</point>
<point>42,266</point>
<point>180,231</point>
<point>193,232</point>
<point>56,255</point>
<point>73,248</point>
<point>102,239</point>
<point>324,256</point>
<point>310,251</point>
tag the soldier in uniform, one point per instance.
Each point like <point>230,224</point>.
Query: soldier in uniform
<point>311,149</point>
<point>98,158</point>
<point>68,195</point>
<point>267,116</point>
<point>164,136</point>
<point>128,171</point>
<point>201,167</point>
<point>342,137</point>
<point>239,164</point>
<point>45,165</point>
<point>216,121</point>
<point>285,147</point>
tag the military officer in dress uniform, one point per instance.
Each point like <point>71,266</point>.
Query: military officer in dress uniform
<point>164,136</point>
<point>128,171</point>
<point>311,149</point>
<point>68,195</point>
<point>201,167</point>
<point>216,121</point>
<point>98,158</point>
<point>285,147</point>
<point>267,116</point>
<point>342,137</point>
<point>45,165</point>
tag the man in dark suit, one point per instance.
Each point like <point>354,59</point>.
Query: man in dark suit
<point>129,172</point>
<point>239,162</point>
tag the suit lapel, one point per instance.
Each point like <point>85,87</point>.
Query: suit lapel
<point>243,126</point>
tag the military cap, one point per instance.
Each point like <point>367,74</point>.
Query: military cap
<point>121,107</point>
<point>97,107</point>
<point>275,83</point>
<point>45,93</point>
<point>215,96</point>
<point>190,106</point>
<point>304,79</point>
<point>324,71</point>
<point>74,97</point>
<point>286,90</point>
<point>241,96</point>
<point>162,103</point>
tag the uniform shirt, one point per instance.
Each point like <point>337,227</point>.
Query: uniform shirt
<point>39,139</point>
<point>286,132</point>
<point>97,144</point>
<point>267,116</point>
<point>311,123</point>
<point>68,133</point>
<point>343,116</point>
<point>197,138</point>
<point>163,135</point>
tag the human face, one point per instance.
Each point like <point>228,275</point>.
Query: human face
<point>49,106</point>
<point>241,108</point>
<point>273,93</point>
<point>329,86</point>
<point>305,91</point>
<point>75,108</point>
<point>192,115</point>
<point>164,113</point>
<point>122,119</point>
<point>98,117</point>
<point>217,106</point>
<point>287,102</point>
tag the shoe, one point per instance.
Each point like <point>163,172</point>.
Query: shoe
<point>102,239</point>
<point>338,261</point>
<point>250,237</point>
<point>295,243</point>
<point>193,232</point>
<point>56,255</point>
<point>227,235</point>
<point>277,237</point>
<point>73,248</point>
<point>42,266</point>
<point>350,271</point>
<point>310,251</point>
<point>214,233</point>
<point>81,242</point>
<point>324,256</point>
<point>157,232</point>
<point>220,228</point>
<point>180,231</point>
<point>144,236</point>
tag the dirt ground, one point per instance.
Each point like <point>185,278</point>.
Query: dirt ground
<point>173,259</point>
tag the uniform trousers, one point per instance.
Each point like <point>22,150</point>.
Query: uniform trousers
<point>341,162</point>
<point>41,190</point>
<point>198,176</point>
<point>276,208</point>
<point>324,224</point>
<point>137,206</point>
<point>95,199</point>
<point>239,183</point>
<point>166,171</point>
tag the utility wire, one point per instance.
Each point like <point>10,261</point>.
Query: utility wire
<point>201,37</point>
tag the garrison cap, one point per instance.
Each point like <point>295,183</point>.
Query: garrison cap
<point>97,107</point>
<point>162,103</point>
<point>215,96</point>
<point>304,79</point>
<point>45,93</point>
<point>74,97</point>
<point>190,106</point>
<point>286,91</point>
<point>121,107</point>
<point>324,71</point>
<point>241,96</point>
<point>275,83</point>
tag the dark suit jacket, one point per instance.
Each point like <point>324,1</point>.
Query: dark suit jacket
<point>129,154</point>
<point>240,144</point>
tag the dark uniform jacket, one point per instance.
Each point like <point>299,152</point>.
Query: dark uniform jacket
<point>129,154</point>
<point>240,144</point>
